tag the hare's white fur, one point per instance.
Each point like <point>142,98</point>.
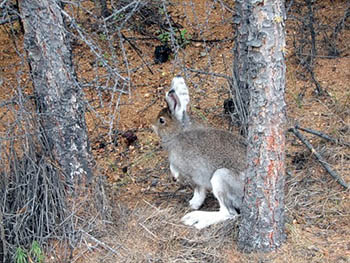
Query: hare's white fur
<point>178,98</point>
<point>209,159</point>
<point>198,198</point>
<point>202,219</point>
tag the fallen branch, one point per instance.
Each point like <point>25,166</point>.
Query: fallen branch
<point>102,244</point>
<point>149,232</point>
<point>210,73</point>
<point>323,136</point>
<point>15,101</point>
<point>215,40</point>
<point>319,158</point>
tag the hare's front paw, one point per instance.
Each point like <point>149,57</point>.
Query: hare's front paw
<point>195,203</point>
<point>201,219</point>
<point>175,173</point>
<point>198,198</point>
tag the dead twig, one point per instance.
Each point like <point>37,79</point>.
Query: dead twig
<point>210,73</point>
<point>340,24</point>
<point>319,157</point>
<point>216,40</point>
<point>149,232</point>
<point>3,236</point>
<point>319,88</point>
<point>138,52</point>
<point>148,105</point>
<point>9,20</point>
<point>102,244</point>
<point>322,135</point>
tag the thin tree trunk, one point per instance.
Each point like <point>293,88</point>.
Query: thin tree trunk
<point>262,226</point>
<point>58,95</point>
<point>239,87</point>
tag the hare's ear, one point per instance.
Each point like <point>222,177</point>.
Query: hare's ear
<point>178,98</point>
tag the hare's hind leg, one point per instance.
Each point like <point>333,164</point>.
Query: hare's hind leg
<point>228,189</point>
<point>229,192</point>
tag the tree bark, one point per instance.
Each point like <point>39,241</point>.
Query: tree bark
<point>239,87</point>
<point>58,95</point>
<point>262,226</point>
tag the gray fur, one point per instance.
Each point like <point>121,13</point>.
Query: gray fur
<point>197,153</point>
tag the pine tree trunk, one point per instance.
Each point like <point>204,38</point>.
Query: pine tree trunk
<point>262,226</point>
<point>58,95</point>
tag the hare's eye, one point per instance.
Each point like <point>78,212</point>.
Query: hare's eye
<point>161,120</point>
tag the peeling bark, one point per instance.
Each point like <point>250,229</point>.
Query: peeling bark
<point>262,226</point>
<point>58,95</point>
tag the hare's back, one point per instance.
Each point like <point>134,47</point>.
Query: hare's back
<point>220,148</point>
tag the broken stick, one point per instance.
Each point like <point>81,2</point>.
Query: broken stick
<point>323,136</point>
<point>318,156</point>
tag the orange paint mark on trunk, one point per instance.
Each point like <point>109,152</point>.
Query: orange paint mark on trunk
<point>256,161</point>
<point>271,142</point>
<point>271,238</point>
<point>271,168</point>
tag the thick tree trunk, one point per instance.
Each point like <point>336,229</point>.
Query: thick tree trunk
<point>262,226</point>
<point>58,95</point>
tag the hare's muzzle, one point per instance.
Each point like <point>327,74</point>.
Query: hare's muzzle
<point>155,129</point>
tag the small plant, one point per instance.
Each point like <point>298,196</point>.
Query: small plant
<point>103,36</point>
<point>181,37</point>
<point>21,256</point>
<point>164,37</point>
<point>161,11</point>
<point>119,16</point>
<point>34,255</point>
<point>36,252</point>
<point>184,37</point>
<point>106,56</point>
<point>298,100</point>
<point>113,165</point>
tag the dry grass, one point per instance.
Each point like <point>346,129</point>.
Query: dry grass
<point>153,234</point>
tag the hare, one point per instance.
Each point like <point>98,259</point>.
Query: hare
<point>208,159</point>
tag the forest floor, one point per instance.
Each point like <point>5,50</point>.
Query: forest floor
<point>147,204</point>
